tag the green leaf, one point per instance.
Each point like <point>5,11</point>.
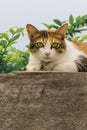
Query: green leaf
<point>83,38</point>
<point>82,22</point>
<point>5,35</point>
<point>57,21</point>
<point>1,48</point>
<point>47,25</point>
<point>23,34</point>
<point>11,43</point>
<point>84,17</point>
<point>50,26</point>
<point>84,29</point>
<point>76,38</point>
<point>77,31</point>
<point>78,18</point>
<point>28,46</point>
<point>54,26</point>
<point>3,43</point>
<point>12,31</point>
<point>77,23</point>
<point>19,30</point>
<point>71,19</point>
<point>15,38</point>
<point>63,22</point>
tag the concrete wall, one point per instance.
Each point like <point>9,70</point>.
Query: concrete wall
<point>43,101</point>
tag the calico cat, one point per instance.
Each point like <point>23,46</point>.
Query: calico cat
<point>50,51</point>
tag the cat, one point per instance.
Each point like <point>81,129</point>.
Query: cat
<point>51,51</point>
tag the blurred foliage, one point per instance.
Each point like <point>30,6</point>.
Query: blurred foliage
<point>12,59</point>
<point>76,26</point>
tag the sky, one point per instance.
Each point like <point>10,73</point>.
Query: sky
<point>21,12</point>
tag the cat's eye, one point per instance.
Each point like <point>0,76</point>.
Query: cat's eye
<point>39,44</point>
<point>55,45</point>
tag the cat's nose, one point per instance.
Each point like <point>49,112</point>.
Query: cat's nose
<point>47,54</point>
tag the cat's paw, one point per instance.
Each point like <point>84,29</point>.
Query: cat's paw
<point>31,68</point>
<point>66,67</point>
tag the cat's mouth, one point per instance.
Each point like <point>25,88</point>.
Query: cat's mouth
<point>47,59</point>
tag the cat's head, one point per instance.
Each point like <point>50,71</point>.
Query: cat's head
<point>47,44</point>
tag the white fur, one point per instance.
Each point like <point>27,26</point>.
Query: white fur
<point>57,62</point>
<point>34,63</point>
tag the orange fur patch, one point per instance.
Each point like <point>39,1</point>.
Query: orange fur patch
<point>81,45</point>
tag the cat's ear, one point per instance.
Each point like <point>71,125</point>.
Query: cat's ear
<point>31,30</point>
<point>62,30</point>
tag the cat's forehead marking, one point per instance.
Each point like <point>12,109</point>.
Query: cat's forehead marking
<point>45,35</point>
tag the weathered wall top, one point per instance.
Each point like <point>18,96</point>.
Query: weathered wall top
<point>43,101</point>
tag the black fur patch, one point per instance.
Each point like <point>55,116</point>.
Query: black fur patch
<point>81,64</point>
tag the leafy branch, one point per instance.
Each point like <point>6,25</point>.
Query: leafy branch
<point>76,26</point>
<point>12,59</point>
